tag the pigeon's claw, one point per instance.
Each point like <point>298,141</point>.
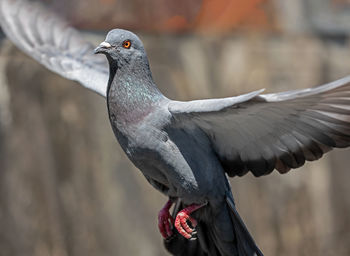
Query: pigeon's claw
<point>165,223</point>
<point>165,220</point>
<point>182,219</point>
<point>182,226</point>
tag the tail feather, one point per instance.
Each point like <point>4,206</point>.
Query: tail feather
<point>245,243</point>
<point>212,235</point>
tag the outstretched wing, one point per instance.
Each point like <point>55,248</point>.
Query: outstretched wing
<point>260,133</point>
<point>50,41</point>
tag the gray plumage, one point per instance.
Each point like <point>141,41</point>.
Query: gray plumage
<point>50,41</point>
<point>185,149</point>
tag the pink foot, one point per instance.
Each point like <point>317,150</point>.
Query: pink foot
<point>165,220</point>
<point>183,217</point>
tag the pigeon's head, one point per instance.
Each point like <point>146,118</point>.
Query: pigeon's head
<point>122,46</point>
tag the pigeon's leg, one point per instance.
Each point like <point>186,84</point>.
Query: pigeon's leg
<point>165,220</point>
<point>183,216</point>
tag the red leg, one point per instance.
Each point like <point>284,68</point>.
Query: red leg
<point>183,216</point>
<point>165,220</point>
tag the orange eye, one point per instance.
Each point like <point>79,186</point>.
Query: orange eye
<point>127,44</point>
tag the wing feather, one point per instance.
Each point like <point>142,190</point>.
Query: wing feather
<point>50,41</point>
<point>273,131</point>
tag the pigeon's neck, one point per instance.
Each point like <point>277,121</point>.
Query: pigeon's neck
<point>132,93</point>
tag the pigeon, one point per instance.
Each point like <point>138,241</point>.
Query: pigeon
<point>188,149</point>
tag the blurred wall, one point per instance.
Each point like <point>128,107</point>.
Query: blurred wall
<point>66,188</point>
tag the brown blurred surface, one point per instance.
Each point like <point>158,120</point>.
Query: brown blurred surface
<point>66,188</point>
<point>167,15</point>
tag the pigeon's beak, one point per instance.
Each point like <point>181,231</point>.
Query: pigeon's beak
<point>102,48</point>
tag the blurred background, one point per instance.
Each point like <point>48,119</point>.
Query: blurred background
<point>66,188</point>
